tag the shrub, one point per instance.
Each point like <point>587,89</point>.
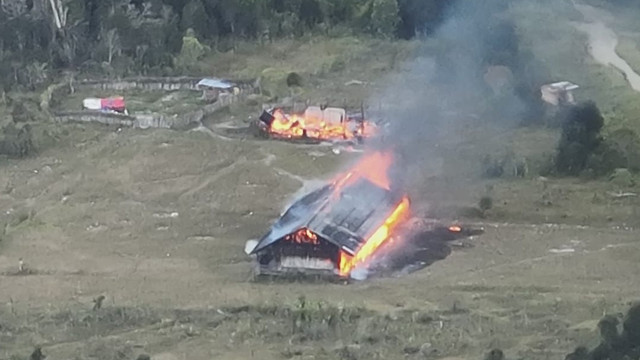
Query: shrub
<point>294,79</point>
<point>625,143</point>
<point>492,168</point>
<point>16,142</point>
<point>580,138</point>
<point>485,204</point>
<point>383,17</point>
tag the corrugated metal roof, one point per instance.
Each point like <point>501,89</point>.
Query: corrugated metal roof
<point>345,220</point>
<point>564,85</point>
<point>215,83</point>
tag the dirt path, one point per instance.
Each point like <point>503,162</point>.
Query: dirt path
<point>603,42</point>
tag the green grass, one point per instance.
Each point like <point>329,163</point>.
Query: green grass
<point>175,102</point>
<point>324,63</point>
<point>628,50</point>
<point>314,56</point>
<point>289,330</point>
<point>555,42</point>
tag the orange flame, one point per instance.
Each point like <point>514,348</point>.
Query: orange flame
<point>303,236</point>
<point>300,126</point>
<point>379,237</point>
<point>373,167</point>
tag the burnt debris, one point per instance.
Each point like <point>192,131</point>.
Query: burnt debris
<point>316,124</point>
<point>421,247</point>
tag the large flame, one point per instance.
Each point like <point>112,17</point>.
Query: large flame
<point>379,237</point>
<point>314,127</point>
<point>375,168</point>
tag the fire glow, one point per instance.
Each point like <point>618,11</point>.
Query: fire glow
<point>344,224</point>
<point>379,237</point>
<point>312,125</point>
<point>303,236</point>
<point>375,168</point>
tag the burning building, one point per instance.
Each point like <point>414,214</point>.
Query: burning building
<point>334,229</point>
<point>316,124</point>
<point>357,221</point>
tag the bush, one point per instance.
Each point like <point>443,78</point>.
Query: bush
<point>614,344</point>
<point>192,51</point>
<point>16,142</point>
<point>294,79</point>
<point>625,143</point>
<point>580,138</point>
<point>492,168</point>
<point>383,17</point>
<point>485,204</point>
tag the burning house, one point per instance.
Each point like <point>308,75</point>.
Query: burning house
<point>337,227</point>
<point>342,227</point>
<point>316,124</point>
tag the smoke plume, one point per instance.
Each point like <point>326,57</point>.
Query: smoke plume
<point>470,70</point>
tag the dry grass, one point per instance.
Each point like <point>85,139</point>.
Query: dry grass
<point>308,328</point>
<point>102,224</point>
<point>100,220</point>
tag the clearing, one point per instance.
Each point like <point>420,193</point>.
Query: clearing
<point>157,221</point>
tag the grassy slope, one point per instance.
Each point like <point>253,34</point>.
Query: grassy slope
<point>547,31</point>
<point>325,64</point>
<point>120,181</point>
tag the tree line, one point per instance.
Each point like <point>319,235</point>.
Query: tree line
<point>139,36</point>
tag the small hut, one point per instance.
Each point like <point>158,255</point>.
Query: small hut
<point>559,93</point>
<point>211,88</point>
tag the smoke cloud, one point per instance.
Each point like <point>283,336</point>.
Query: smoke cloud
<point>469,73</point>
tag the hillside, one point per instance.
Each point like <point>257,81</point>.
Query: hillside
<point>155,221</point>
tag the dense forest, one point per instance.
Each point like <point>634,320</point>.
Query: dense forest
<point>145,36</point>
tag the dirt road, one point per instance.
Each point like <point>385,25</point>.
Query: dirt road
<point>603,42</point>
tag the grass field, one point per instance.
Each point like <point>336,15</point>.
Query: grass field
<point>156,221</point>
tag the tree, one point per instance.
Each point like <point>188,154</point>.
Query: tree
<point>195,17</point>
<point>485,204</point>
<point>580,138</point>
<point>384,17</point>
<point>311,12</point>
<point>192,50</point>
<point>420,16</point>
<point>112,41</point>
<point>626,145</point>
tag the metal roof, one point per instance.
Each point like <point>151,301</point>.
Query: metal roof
<point>345,219</point>
<point>563,85</point>
<point>215,83</point>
